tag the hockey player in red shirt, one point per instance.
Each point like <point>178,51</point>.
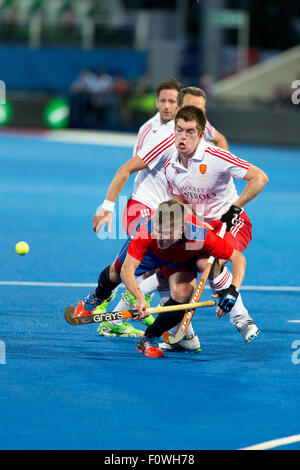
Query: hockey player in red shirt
<point>177,244</point>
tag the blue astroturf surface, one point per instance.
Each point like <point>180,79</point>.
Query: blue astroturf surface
<point>64,387</point>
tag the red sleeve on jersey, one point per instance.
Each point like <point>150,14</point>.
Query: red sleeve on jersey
<point>168,182</point>
<point>217,246</point>
<point>140,243</point>
<point>157,150</point>
<point>142,135</point>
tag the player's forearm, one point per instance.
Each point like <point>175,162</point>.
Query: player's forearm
<point>128,277</point>
<point>221,142</point>
<point>117,184</point>
<point>180,199</point>
<point>238,262</point>
<point>253,187</point>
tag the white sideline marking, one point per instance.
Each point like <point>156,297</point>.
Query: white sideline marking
<point>115,139</point>
<point>274,443</point>
<point>46,284</point>
<point>293,321</point>
<point>83,284</point>
<point>273,288</point>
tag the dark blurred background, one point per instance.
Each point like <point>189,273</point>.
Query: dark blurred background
<point>95,64</point>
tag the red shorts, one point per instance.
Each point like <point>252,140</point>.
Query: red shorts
<point>240,235</point>
<point>133,213</point>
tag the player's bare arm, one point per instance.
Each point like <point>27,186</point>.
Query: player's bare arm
<point>104,215</point>
<point>128,277</point>
<point>220,140</point>
<point>178,198</point>
<point>256,181</point>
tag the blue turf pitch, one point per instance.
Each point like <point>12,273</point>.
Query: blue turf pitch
<point>64,387</point>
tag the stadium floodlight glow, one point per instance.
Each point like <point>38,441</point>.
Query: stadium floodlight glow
<point>6,112</point>
<point>56,113</point>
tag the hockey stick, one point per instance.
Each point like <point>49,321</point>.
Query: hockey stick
<point>186,320</point>
<point>119,314</point>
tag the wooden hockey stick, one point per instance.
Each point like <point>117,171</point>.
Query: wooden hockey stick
<point>109,316</point>
<point>186,320</point>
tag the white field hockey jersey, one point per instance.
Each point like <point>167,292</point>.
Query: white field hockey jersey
<point>207,184</point>
<point>154,145</point>
<point>146,131</point>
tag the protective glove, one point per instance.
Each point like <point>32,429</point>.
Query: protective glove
<point>231,217</point>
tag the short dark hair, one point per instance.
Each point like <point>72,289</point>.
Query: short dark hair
<point>169,214</point>
<point>170,84</point>
<point>189,90</point>
<point>191,113</point>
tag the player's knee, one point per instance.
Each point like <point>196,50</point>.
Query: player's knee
<point>181,292</point>
<point>201,264</point>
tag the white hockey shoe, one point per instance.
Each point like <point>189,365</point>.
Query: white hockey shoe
<point>190,343</point>
<point>246,326</point>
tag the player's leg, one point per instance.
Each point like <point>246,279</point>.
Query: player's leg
<point>120,327</point>
<point>108,280</point>
<point>134,213</point>
<point>220,278</point>
<point>238,316</point>
<point>148,284</point>
<point>190,342</point>
<point>181,284</point>
<point>114,328</point>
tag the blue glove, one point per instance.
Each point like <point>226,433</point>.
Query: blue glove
<point>228,298</point>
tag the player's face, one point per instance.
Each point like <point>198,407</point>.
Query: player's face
<point>187,137</point>
<point>167,105</point>
<point>197,101</point>
<point>166,236</point>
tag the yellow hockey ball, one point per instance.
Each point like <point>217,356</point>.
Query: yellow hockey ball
<point>22,248</point>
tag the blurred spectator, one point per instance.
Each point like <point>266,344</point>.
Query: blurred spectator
<point>96,99</point>
<point>79,98</point>
<point>9,21</point>
<point>83,82</point>
<point>123,91</point>
<point>68,19</point>
<point>205,83</point>
<point>121,86</point>
<point>9,15</point>
<point>103,100</point>
<point>143,85</point>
